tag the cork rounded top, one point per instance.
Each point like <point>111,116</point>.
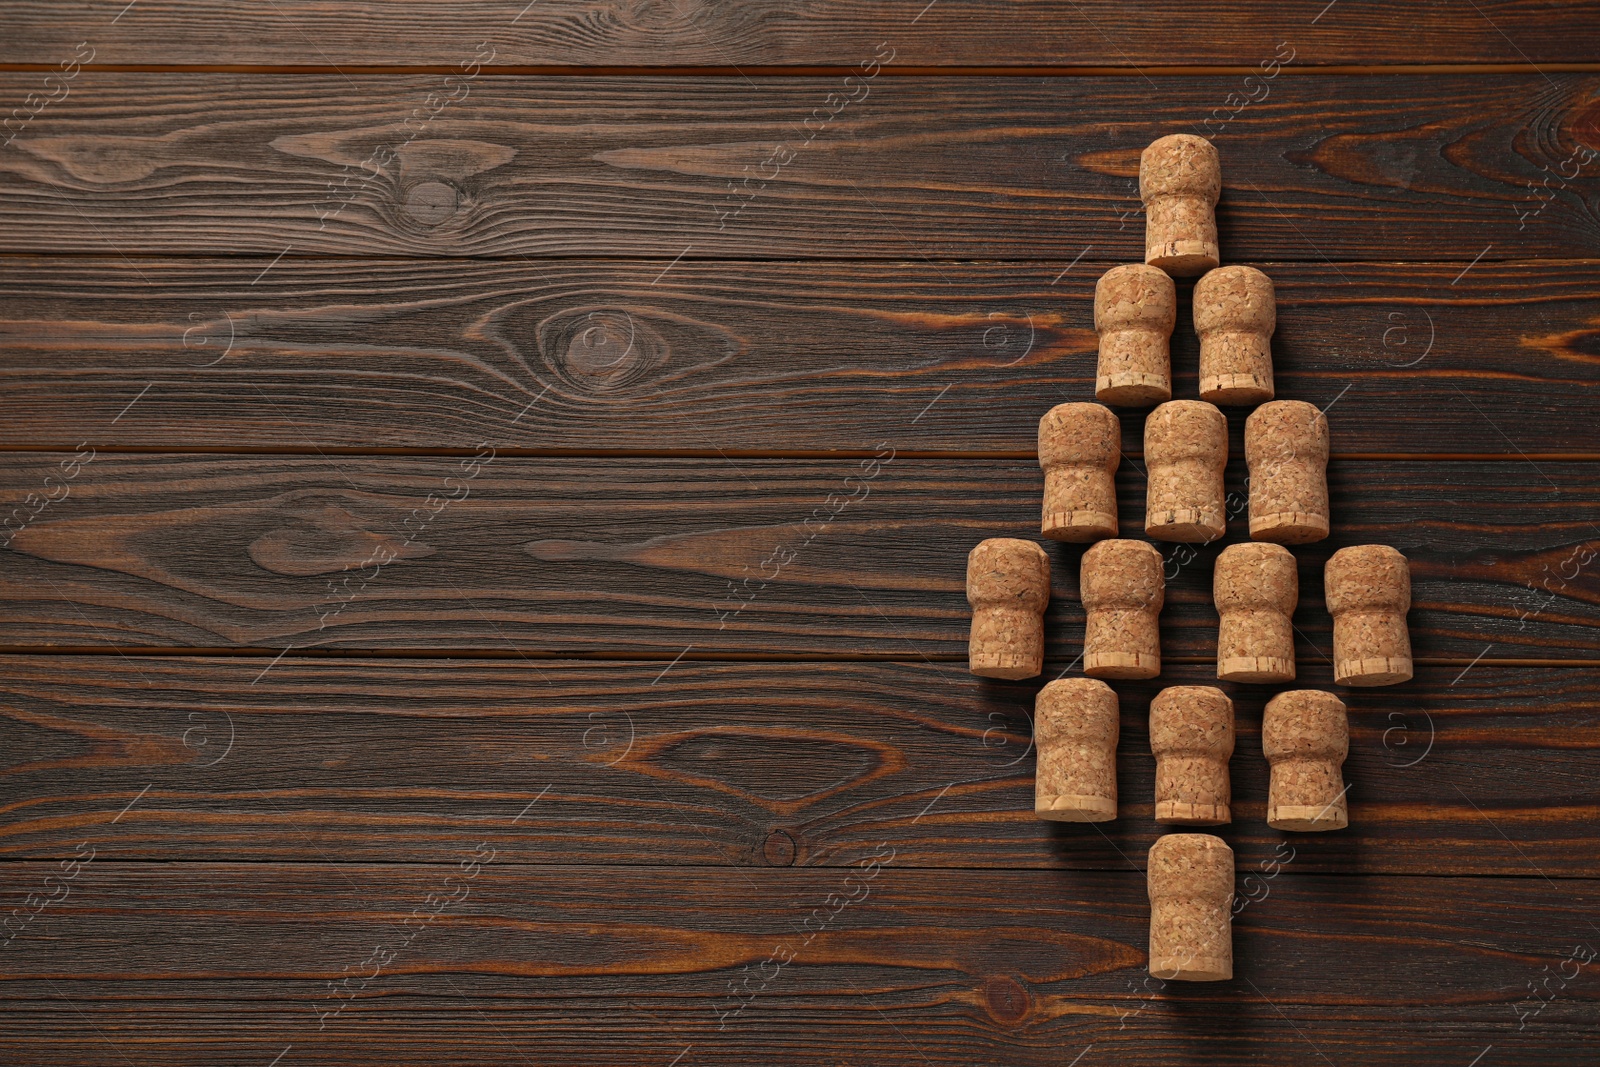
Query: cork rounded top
<point>1305,724</point>
<point>1192,866</point>
<point>1005,572</point>
<point>1120,573</point>
<point>1255,575</point>
<point>1135,296</point>
<point>1367,578</point>
<point>1180,164</point>
<point>1285,429</point>
<point>1192,719</point>
<point>1080,710</point>
<point>1235,298</point>
<point>1074,434</point>
<point>1186,429</point>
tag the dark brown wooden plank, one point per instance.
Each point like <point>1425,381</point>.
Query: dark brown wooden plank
<point>752,765</point>
<point>981,33</point>
<point>1442,167</point>
<point>597,354</point>
<point>212,964</point>
<point>799,557</point>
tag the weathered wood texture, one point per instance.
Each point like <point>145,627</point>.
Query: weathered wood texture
<point>748,356</point>
<point>793,557</point>
<point>1444,167</point>
<point>225,964</point>
<point>562,653</point>
<point>741,764</point>
<point>968,33</point>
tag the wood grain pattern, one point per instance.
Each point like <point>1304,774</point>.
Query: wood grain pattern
<point>793,557</point>
<point>1444,167</point>
<point>971,33</point>
<point>208,964</point>
<point>736,764</point>
<point>747,356</point>
<point>526,415</point>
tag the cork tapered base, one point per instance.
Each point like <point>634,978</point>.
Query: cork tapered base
<point>1078,525</point>
<point>1255,669</point>
<point>1187,525</point>
<point>1308,818</point>
<point>1235,388</point>
<point>1132,389</point>
<point>1180,813</point>
<point>1183,259</point>
<point>1125,666</point>
<point>996,663</point>
<point>1075,808</point>
<point>1289,528</point>
<point>1383,670</point>
<point>1195,969</point>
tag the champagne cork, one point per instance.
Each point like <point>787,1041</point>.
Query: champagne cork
<point>1008,585</point>
<point>1180,179</point>
<point>1368,588</point>
<point>1190,878</point>
<point>1256,590</point>
<point>1079,446</point>
<point>1305,735</point>
<point>1185,451</point>
<point>1075,725</point>
<point>1135,308</point>
<point>1286,448</point>
<point>1235,313</point>
<point>1191,736</point>
<point>1122,591</point>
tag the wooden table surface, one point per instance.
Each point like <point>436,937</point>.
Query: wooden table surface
<point>489,489</point>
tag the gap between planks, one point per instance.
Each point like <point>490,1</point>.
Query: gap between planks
<point>843,455</point>
<point>800,869</point>
<point>647,259</point>
<point>821,71</point>
<point>161,258</point>
<point>643,656</point>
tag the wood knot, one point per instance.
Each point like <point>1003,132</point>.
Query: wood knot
<point>602,349</point>
<point>1009,336</point>
<point>430,203</point>
<point>1005,1000</point>
<point>1585,125</point>
<point>1117,162</point>
<point>663,15</point>
<point>308,538</point>
<point>762,765</point>
<point>1576,346</point>
<point>779,849</point>
<point>602,342</point>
